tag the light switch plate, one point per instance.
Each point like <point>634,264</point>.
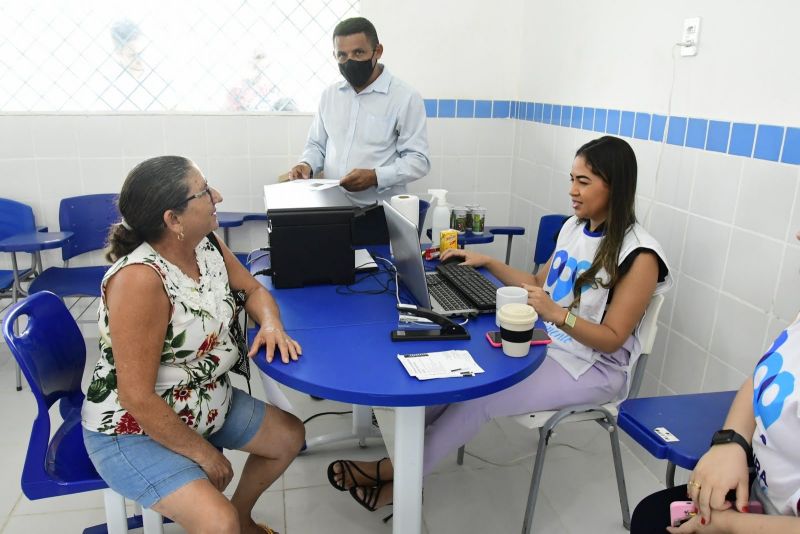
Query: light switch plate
<point>691,34</point>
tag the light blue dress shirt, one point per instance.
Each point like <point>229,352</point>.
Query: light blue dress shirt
<point>382,128</point>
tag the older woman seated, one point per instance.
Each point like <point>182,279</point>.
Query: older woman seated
<point>160,404</point>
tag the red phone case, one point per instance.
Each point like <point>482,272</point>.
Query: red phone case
<point>497,345</point>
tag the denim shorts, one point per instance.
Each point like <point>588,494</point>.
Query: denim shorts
<point>141,469</point>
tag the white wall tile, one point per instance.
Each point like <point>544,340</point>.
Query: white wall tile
<point>16,137</point>
<point>693,316</point>
<point>774,328</point>
<point>544,144</point>
<point>794,226</point>
<point>705,250</point>
<point>497,212</point>
<point>495,137</point>
<point>102,175</point>
<point>674,181</point>
<point>227,136</point>
<point>684,365</point>
<point>58,178</point>
<point>435,128</point>
<point>668,226</point>
<point>268,135</point>
<point>298,133</point>
<point>99,136</point>
<point>459,174</point>
<point>541,187</point>
<point>527,141</point>
<point>752,268</point>
<point>231,175</point>
<point>647,162</point>
<point>766,197</point>
<point>185,135</point>
<point>18,179</point>
<point>564,152</point>
<point>738,338</point>
<point>722,377</point>
<point>54,137</point>
<point>264,170</point>
<point>786,304</point>
<point>143,136</point>
<point>716,185</point>
<point>494,174</point>
<point>460,137</point>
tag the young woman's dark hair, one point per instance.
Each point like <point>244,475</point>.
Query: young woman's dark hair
<point>151,188</point>
<point>613,160</point>
<point>357,25</point>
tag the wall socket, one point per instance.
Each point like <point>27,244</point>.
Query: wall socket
<point>691,36</point>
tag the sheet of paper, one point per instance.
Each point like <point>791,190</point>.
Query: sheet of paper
<point>364,261</point>
<point>445,364</point>
<point>319,185</point>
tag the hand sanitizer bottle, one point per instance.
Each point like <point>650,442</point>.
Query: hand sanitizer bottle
<point>441,214</point>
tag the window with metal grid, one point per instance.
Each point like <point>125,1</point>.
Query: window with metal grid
<point>167,55</point>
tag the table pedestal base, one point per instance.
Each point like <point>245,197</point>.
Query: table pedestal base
<point>409,435</point>
<point>362,429</point>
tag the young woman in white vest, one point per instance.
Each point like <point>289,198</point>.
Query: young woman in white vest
<point>592,293</point>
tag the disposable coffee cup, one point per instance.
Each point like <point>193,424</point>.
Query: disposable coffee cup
<point>508,295</point>
<point>516,328</point>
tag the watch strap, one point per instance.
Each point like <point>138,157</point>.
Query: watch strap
<point>728,435</point>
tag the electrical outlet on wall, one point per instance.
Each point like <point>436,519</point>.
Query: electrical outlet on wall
<point>691,36</point>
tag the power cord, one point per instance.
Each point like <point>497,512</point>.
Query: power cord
<point>326,413</point>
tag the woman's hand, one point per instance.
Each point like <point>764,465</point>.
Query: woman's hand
<point>695,524</point>
<point>217,467</point>
<point>547,309</point>
<point>470,258</point>
<point>272,337</point>
<point>721,469</point>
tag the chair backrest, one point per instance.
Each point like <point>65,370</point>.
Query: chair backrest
<point>549,227</point>
<point>423,210</point>
<point>51,353</point>
<point>648,328</point>
<point>15,218</point>
<point>89,217</point>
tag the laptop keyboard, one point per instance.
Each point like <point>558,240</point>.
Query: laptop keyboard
<point>473,284</point>
<point>444,294</point>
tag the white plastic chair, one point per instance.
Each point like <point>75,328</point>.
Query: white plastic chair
<point>604,415</point>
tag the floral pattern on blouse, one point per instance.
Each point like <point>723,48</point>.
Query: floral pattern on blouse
<point>196,356</point>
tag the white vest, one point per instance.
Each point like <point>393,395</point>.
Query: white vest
<point>776,405</point>
<point>575,251</point>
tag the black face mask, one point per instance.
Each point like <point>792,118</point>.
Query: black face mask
<point>357,72</point>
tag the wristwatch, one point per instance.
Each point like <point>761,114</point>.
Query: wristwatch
<point>570,319</point>
<point>727,435</point>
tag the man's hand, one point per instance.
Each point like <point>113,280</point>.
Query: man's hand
<point>301,171</point>
<point>359,179</point>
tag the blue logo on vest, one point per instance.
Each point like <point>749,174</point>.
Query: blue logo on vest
<point>563,272</point>
<point>779,384</point>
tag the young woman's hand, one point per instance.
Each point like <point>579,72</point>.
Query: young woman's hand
<point>469,257</point>
<point>721,469</point>
<point>547,309</point>
<point>695,524</point>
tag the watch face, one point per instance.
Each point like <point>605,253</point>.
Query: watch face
<point>723,436</point>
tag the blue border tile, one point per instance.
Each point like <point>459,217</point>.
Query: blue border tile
<point>718,133</point>
<point>522,109</point>
<point>657,127</point>
<point>641,126</point>
<point>566,115</point>
<point>547,113</point>
<point>626,123</point>
<point>577,116</point>
<point>465,109</point>
<point>447,108</point>
<point>501,109</point>
<point>791,146</point>
<point>537,112</point>
<point>514,109</point>
<point>676,134</point>
<point>612,121</point>
<point>588,118</point>
<point>430,107</point>
<point>696,133</point>
<point>529,111</point>
<point>556,115</point>
<point>743,136</point>
<point>483,109</point>
<point>768,142</point>
<point>600,120</point>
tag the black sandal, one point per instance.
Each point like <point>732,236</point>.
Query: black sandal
<point>346,468</point>
<point>370,497</point>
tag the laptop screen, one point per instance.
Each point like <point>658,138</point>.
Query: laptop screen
<point>404,237</point>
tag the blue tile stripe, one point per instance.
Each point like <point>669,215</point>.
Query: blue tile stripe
<point>761,141</point>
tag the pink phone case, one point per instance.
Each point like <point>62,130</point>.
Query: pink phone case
<point>680,512</point>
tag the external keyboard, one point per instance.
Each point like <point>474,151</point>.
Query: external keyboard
<point>473,284</point>
<point>445,295</point>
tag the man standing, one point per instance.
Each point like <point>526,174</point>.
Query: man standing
<point>369,131</point>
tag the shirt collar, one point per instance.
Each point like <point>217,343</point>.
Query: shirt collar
<point>380,85</point>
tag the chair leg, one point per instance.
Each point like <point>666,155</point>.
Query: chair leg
<point>536,479</point>
<point>619,471</point>
<point>116,515</point>
<point>152,522</point>
<point>460,457</point>
<point>670,475</point>
<point>508,249</point>
<point>19,378</point>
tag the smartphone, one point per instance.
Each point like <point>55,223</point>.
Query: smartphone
<point>540,337</point>
<point>680,512</point>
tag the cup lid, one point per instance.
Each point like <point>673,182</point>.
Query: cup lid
<point>517,314</point>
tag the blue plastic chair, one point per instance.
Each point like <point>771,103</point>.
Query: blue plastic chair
<point>52,354</point>
<point>423,211</point>
<point>549,227</point>
<point>15,218</point>
<point>89,217</point>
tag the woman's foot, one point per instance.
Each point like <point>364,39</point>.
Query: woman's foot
<point>374,497</point>
<point>346,474</point>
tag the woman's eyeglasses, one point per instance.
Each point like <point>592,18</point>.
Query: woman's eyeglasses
<point>206,191</point>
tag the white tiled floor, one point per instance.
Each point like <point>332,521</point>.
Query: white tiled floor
<point>578,495</point>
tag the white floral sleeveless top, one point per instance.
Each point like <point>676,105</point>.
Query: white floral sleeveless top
<point>197,352</point>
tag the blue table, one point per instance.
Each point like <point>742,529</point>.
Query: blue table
<point>348,356</point>
<point>693,419</point>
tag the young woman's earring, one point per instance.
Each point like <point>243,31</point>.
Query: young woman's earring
<point>180,235</point>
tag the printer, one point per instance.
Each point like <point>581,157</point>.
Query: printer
<point>310,231</point>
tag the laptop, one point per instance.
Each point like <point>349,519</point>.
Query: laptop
<point>430,290</point>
